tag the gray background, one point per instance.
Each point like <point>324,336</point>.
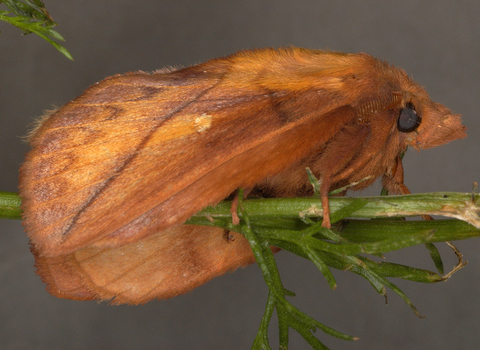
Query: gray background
<point>437,42</point>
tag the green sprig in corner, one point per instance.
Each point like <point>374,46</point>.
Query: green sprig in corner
<point>31,16</point>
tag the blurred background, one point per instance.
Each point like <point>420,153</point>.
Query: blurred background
<point>435,42</point>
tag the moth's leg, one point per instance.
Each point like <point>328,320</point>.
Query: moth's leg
<point>234,207</point>
<point>227,235</point>
<point>393,182</point>
<point>324,190</point>
<point>393,179</point>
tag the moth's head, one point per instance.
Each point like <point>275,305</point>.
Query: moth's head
<point>420,122</point>
<point>424,123</point>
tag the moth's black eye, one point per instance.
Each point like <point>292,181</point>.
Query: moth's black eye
<point>408,120</point>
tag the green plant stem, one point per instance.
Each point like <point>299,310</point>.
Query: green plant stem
<point>10,206</point>
<point>451,204</point>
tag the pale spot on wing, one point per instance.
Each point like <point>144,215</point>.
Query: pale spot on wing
<point>203,122</point>
<point>182,126</point>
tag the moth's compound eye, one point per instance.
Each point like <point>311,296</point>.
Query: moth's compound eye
<point>408,120</point>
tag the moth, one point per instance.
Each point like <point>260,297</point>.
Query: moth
<point>112,175</point>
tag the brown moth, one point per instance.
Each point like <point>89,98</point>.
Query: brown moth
<point>113,174</point>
